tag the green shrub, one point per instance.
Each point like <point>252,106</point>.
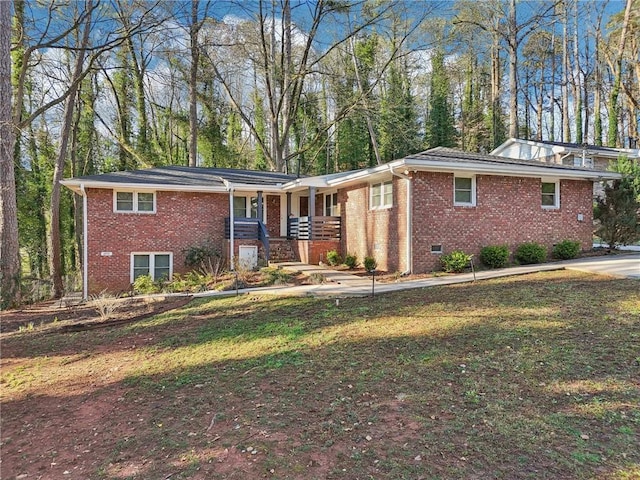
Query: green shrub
<point>566,250</point>
<point>275,276</point>
<point>205,259</point>
<point>532,252</point>
<point>370,264</point>
<point>145,285</point>
<point>455,261</point>
<point>351,261</point>
<point>495,256</point>
<point>333,258</point>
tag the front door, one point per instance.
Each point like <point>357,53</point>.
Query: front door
<point>304,206</point>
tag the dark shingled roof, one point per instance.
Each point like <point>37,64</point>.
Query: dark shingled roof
<point>194,176</point>
<point>450,155</point>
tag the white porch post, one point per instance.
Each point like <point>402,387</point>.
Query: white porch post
<point>85,243</point>
<point>231,232</point>
<point>312,201</point>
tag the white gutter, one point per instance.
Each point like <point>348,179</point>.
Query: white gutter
<point>230,188</point>
<point>409,220</point>
<point>567,173</point>
<point>85,244</point>
<point>75,184</point>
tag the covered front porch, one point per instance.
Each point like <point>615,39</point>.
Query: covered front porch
<point>283,227</point>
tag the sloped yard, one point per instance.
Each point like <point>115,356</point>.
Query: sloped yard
<point>535,376</point>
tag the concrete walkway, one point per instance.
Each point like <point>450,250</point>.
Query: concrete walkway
<point>344,284</point>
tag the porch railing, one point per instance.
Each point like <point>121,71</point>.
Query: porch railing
<point>248,229</point>
<point>314,228</point>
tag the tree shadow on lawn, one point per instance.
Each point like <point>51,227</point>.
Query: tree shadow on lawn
<point>477,399</point>
<point>251,317</point>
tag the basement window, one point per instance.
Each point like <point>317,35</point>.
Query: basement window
<point>159,266</point>
<point>436,249</point>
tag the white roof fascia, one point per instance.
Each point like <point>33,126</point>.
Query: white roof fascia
<point>510,170</point>
<point>75,186</point>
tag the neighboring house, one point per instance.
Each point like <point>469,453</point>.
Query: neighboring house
<point>572,154</point>
<point>405,213</point>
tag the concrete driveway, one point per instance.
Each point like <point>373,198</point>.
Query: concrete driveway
<point>344,284</point>
<point>624,265</point>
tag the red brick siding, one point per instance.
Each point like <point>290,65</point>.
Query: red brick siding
<point>377,233</point>
<point>181,220</point>
<point>508,211</point>
<point>273,215</point>
<point>314,251</point>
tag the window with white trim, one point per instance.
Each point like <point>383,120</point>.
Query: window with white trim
<point>159,266</point>
<point>245,207</point>
<point>550,194</point>
<point>134,202</point>
<point>464,191</point>
<point>381,195</point>
<point>331,206</point>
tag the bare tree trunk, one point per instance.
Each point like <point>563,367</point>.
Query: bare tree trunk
<point>597,94</point>
<point>193,85</point>
<point>577,77</point>
<point>495,89</point>
<point>9,247</point>
<point>367,111</point>
<point>513,70</point>
<point>566,130</point>
<point>58,171</point>
<point>616,67</point>
<point>540,107</point>
<point>552,107</point>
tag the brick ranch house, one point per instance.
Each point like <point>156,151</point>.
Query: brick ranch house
<point>405,213</point>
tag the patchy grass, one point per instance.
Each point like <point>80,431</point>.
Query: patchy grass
<point>528,377</point>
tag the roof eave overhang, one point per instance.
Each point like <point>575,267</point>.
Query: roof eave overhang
<point>511,170</point>
<point>75,185</point>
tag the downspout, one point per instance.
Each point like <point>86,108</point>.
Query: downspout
<point>85,243</point>
<point>229,186</point>
<point>409,220</point>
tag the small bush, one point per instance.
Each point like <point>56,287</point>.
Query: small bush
<point>370,264</point>
<point>566,250</point>
<point>105,304</point>
<point>316,278</point>
<point>351,261</point>
<point>205,259</point>
<point>455,262</point>
<point>275,276</point>
<point>495,256</point>
<point>529,253</point>
<point>144,285</point>
<point>333,258</point>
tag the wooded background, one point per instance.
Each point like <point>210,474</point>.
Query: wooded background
<point>308,87</point>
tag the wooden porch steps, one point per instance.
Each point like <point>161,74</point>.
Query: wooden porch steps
<point>280,250</point>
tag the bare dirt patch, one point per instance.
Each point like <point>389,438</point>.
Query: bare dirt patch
<point>53,315</point>
<point>530,377</point>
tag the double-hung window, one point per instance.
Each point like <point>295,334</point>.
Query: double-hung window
<point>134,202</point>
<point>381,195</point>
<point>245,207</point>
<point>331,207</point>
<point>464,191</point>
<point>159,266</point>
<point>550,194</point>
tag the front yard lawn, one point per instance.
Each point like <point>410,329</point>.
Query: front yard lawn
<point>535,376</point>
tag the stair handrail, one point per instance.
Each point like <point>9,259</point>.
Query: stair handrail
<point>263,236</point>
